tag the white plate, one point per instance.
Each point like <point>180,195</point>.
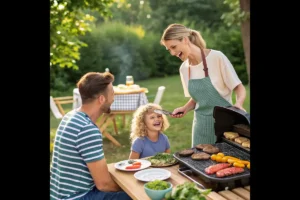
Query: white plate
<point>123,164</point>
<point>152,174</point>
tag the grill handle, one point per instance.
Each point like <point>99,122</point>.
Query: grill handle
<point>180,170</point>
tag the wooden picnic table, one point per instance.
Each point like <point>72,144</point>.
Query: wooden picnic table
<point>135,188</point>
<point>126,101</point>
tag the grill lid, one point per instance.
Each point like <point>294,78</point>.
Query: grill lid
<point>227,117</point>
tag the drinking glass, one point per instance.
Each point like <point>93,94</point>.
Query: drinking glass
<point>129,81</point>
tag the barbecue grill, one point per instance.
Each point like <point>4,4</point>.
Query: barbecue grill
<point>226,119</point>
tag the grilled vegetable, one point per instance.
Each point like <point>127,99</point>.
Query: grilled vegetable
<point>237,164</point>
<point>231,161</point>
<point>213,156</point>
<point>161,159</point>
<point>221,154</point>
<point>218,158</point>
<point>245,162</point>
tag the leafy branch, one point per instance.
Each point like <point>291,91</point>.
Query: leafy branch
<point>235,15</point>
<point>68,21</point>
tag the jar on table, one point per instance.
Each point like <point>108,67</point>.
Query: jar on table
<point>129,81</point>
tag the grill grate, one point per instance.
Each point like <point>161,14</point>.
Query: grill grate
<point>239,146</point>
<point>198,166</point>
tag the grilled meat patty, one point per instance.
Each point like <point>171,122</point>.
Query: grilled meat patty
<point>202,146</point>
<point>186,152</point>
<point>200,156</point>
<point>211,149</point>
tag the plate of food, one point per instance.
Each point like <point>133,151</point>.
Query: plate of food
<point>152,174</point>
<point>132,165</point>
<point>162,160</point>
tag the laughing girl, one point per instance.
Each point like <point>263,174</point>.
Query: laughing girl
<point>146,132</point>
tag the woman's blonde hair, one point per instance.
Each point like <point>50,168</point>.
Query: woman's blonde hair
<point>138,125</point>
<point>179,31</point>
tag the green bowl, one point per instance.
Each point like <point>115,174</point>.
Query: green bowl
<point>157,194</point>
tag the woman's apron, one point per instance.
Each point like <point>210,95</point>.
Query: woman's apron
<point>206,97</point>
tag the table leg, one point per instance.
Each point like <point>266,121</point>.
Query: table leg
<point>111,138</point>
<point>115,124</point>
<point>124,119</point>
<point>102,126</point>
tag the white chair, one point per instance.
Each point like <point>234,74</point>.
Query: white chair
<point>159,94</point>
<point>76,98</point>
<point>55,109</point>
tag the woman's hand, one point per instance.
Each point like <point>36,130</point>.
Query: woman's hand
<point>183,111</point>
<point>237,105</point>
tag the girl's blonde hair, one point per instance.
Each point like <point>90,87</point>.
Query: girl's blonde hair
<point>138,125</point>
<point>179,31</point>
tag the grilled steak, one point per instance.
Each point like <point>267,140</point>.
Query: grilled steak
<point>200,156</point>
<point>211,149</point>
<point>214,168</point>
<point>229,171</point>
<point>186,152</point>
<point>202,146</point>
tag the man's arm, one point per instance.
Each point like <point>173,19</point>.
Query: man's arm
<point>101,176</point>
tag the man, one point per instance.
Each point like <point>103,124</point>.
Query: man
<point>79,169</point>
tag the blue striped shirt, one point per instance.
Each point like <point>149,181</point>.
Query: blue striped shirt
<point>77,141</point>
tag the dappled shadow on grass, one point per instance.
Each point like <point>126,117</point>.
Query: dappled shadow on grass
<point>114,153</point>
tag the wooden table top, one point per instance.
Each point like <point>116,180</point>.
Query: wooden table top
<point>135,188</point>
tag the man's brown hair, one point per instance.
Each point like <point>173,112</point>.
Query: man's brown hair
<point>93,84</point>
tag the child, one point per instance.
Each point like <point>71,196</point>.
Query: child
<point>146,136</point>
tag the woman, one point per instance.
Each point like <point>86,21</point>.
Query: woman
<point>207,77</point>
<point>146,132</point>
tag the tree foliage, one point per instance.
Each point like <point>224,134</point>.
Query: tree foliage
<point>67,22</point>
<point>236,15</point>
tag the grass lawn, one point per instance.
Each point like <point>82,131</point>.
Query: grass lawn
<point>179,132</point>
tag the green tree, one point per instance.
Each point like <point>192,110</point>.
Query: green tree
<point>240,15</point>
<point>67,22</point>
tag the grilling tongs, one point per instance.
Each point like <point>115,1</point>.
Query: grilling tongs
<point>164,112</point>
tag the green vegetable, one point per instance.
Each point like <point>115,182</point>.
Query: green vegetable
<point>162,158</point>
<point>157,185</point>
<point>131,161</point>
<point>187,191</point>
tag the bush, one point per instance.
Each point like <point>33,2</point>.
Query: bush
<point>129,50</point>
<point>229,41</point>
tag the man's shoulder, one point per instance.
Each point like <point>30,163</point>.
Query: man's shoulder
<point>80,118</point>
